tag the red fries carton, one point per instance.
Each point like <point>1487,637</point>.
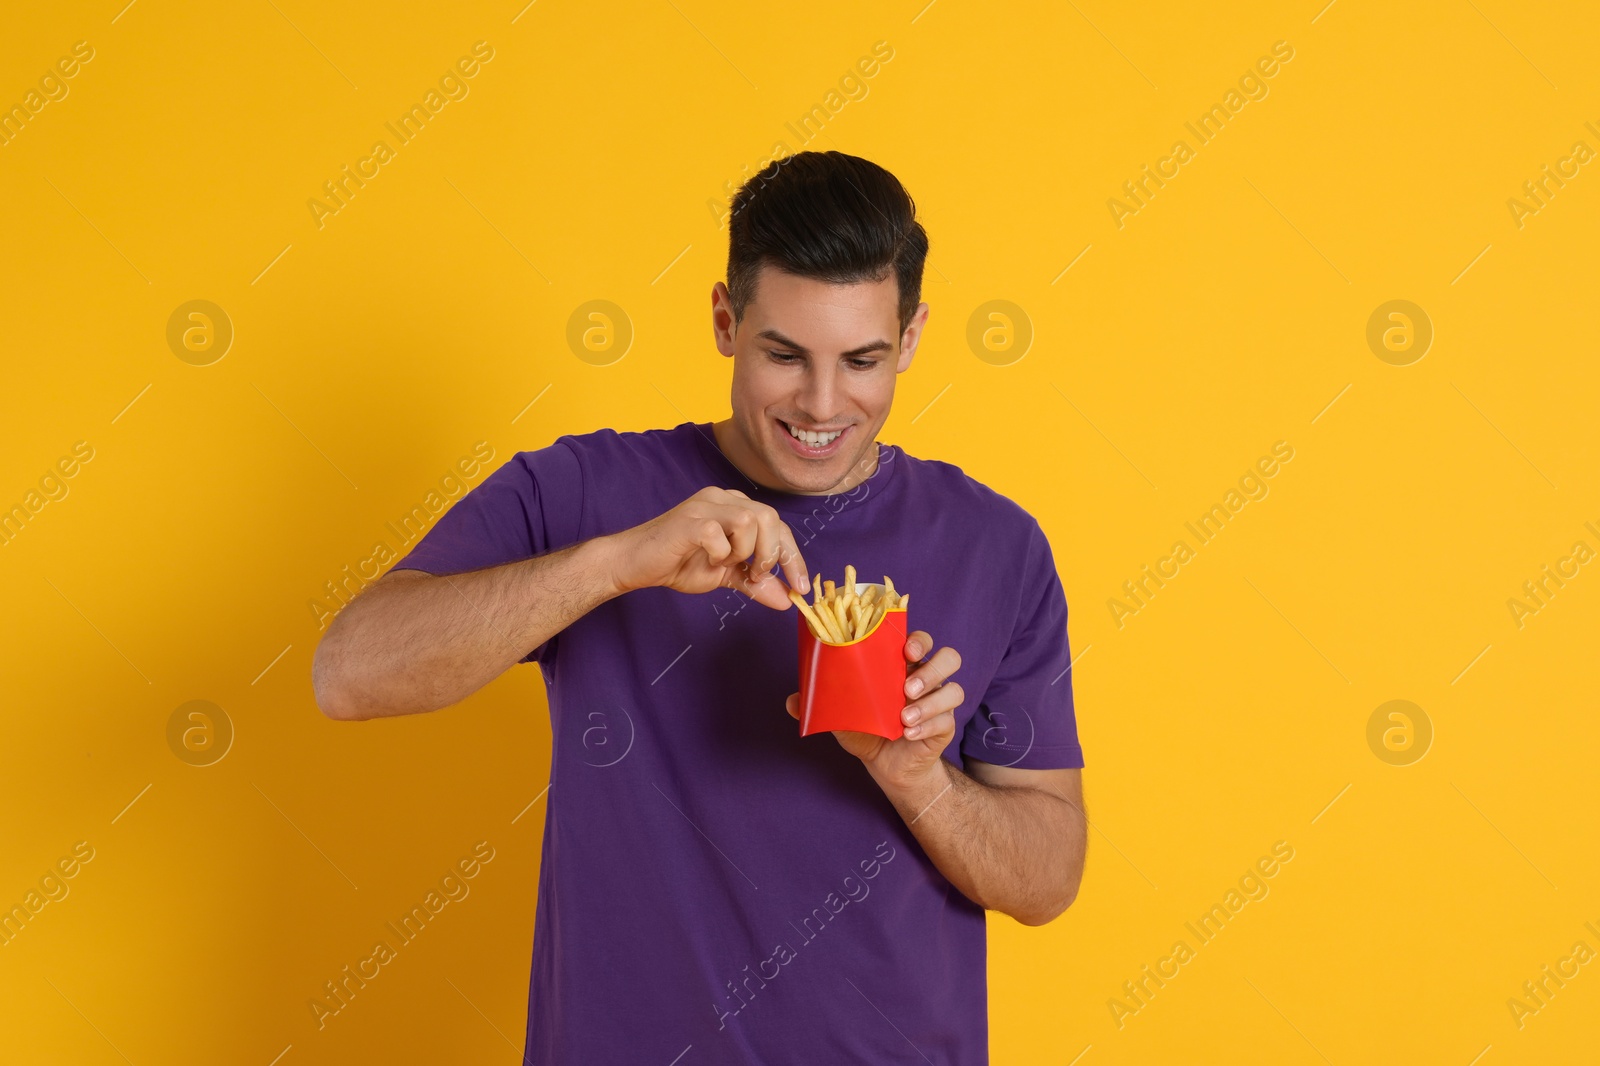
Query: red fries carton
<point>859,685</point>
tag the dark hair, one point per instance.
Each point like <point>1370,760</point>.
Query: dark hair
<point>830,216</point>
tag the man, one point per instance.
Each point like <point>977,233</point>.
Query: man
<point>714,886</point>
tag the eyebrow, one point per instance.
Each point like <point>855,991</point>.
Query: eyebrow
<point>865,349</point>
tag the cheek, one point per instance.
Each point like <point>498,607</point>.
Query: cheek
<point>768,395</point>
<point>875,393</point>
<point>747,386</point>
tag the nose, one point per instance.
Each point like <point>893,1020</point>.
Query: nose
<point>819,396</point>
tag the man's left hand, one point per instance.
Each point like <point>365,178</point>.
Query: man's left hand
<point>929,719</point>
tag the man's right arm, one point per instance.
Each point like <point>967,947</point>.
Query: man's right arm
<point>416,642</point>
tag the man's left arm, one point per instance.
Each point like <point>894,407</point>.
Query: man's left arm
<point>1010,839</point>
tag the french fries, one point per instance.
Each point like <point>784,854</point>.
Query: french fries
<point>839,614</point>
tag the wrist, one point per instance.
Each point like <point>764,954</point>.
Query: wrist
<point>915,789</point>
<point>605,558</point>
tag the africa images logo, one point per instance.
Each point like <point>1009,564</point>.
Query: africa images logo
<point>811,926</point>
<point>453,86</point>
<point>607,737</point>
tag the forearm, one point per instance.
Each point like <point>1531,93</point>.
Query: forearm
<point>415,642</point>
<point>1018,850</point>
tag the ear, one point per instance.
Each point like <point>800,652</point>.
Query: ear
<point>722,324</point>
<point>909,339</point>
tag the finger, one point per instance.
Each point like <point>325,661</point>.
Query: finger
<point>713,541</point>
<point>940,729</point>
<point>776,547</point>
<point>717,496</point>
<point>759,582</point>
<point>794,567</point>
<point>764,588</point>
<point>941,701</point>
<point>931,674</point>
<point>792,705</point>
<point>769,543</point>
<point>739,525</point>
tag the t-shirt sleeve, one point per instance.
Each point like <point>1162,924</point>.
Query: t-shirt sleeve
<point>531,505</point>
<point>1026,717</point>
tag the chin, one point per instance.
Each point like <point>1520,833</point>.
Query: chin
<point>811,483</point>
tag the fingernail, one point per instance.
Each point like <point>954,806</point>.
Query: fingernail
<point>913,731</point>
<point>914,649</point>
<point>914,686</point>
<point>911,715</point>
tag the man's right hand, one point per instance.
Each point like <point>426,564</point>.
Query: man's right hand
<point>716,538</point>
<point>415,642</point>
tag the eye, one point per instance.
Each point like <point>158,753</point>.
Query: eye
<point>783,357</point>
<point>863,364</point>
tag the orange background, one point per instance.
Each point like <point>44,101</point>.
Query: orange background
<point>1164,356</point>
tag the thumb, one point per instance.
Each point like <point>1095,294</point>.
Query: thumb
<point>792,705</point>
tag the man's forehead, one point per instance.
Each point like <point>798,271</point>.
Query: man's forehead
<point>810,312</point>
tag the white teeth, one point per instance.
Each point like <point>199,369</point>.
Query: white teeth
<point>815,440</point>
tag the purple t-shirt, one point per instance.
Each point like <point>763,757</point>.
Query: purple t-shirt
<point>715,888</point>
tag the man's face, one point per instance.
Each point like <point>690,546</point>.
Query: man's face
<point>815,357</point>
